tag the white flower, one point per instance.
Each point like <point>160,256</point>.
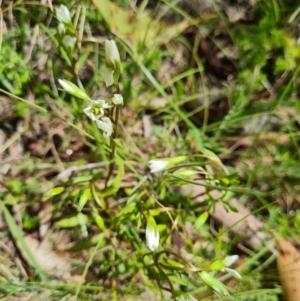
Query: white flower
<point>63,14</point>
<point>157,165</point>
<point>69,42</point>
<point>112,56</point>
<point>96,108</point>
<point>105,125</point>
<point>152,238</point>
<point>61,29</point>
<point>232,272</point>
<point>230,260</point>
<point>117,99</point>
<point>66,86</point>
<point>73,89</point>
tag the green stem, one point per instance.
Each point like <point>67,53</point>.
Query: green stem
<point>112,140</point>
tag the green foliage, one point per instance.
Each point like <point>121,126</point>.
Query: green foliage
<point>14,71</point>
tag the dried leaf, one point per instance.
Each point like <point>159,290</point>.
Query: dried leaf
<point>129,26</point>
<point>288,264</point>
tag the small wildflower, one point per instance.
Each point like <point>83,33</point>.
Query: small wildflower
<point>157,165</point>
<point>73,89</point>
<point>112,56</point>
<point>105,125</point>
<point>69,42</point>
<point>63,14</point>
<point>112,61</point>
<point>228,261</point>
<point>232,272</point>
<point>61,29</point>
<point>117,99</point>
<point>96,108</point>
<point>152,234</point>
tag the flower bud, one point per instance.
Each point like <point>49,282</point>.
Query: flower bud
<point>157,165</point>
<point>73,89</point>
<point>63,14</point>
<point>152,234</point>
<point>69,42</point>
<point>61,29</point>
<point>112,56</point>
<point>105,125</point>
<point>117,99</point>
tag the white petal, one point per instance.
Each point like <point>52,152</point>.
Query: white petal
<point>66,86</point>
<point>69,41</point>
<point>95,110</point>
<point>112,56</point>
<point>157,165</point>
<point>105,125</point>
<point>117,99</point>
<point>61,28</point>
<point>230,260</point>
<point>232,272</point>
<point>152,239</point>
<point>63,14</point>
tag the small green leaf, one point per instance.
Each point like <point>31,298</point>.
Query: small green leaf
<point>82,179</point>
<point>217,265</point>
<point>186,173</point>
<point>233,208</point>
<point>53,192</point>
<point>72,221</point>
<point>178,280</point>
<point>174,263</point>
<point>218,287</point>
<point>154,212</point>
<point>84,198</point>
<point>128,209</point>
<point>201,220</point>
<point>161,227</point>
<point>176,160</point>
<point>151,223</point>
<point>119,176</point>
<point>99,221</point>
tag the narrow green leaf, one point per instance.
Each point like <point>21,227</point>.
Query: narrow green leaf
<point>84,198</point>
<point>72,221</point>
<point>18,236</point>
<point>201,220</point>
<point>53,192</point>
<point>154,212</point>
<point>161,227</point>
<point>218,287</point>
<point>174,263</point>
<point>118,178</point>
<point>178,280</point>
<point>186,173</point>
<point>100,222</point>
<point>217,265</point>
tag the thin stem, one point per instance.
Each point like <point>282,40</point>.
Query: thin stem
<point>112,139</point>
